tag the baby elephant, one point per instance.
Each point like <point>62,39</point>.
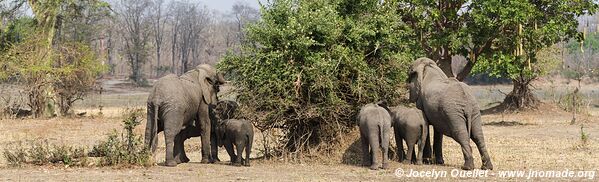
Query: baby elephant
<point>238,133</point>
<point>409,125</point>
<point>375,124</point>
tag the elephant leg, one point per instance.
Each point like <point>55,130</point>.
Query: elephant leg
<point>365,151</point>
<point>178,148</point>
<point>421,145</point>
<point>214,147</point>
<point>248,149</point>
<point>410,153</point>
<point>462,137</point>
<point>169,139</point>
<point>438,147</point>
<point>205,125</point>
<point>183,155</point>
<point>427,152</point>
<point>479,140</point>
<point>399,143</point>
<point>374,148</point>
<point>229,148</point>
<point>385,146</point>
<point>239,146</point>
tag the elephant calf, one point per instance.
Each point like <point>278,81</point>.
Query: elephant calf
<point>375,124</point>
<point>409,125</point>
<point>238,133</point>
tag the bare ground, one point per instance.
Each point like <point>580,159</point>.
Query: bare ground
<point>534,140</point>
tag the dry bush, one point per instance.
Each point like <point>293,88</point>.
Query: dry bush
<point>42,153</point>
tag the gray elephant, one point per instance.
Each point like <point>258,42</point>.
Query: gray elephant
<point>450,107</point>
<point>236,134</point>
<point>224,109</point>
<point>409,125</point>
<point>180,106</point>
<point>375,124</point>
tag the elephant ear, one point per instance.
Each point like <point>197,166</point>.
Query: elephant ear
<point>206,80</point>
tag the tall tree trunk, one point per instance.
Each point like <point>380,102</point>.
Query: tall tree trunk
<point>465,71</point>
<point>173,49</point>
<point>445,65</point>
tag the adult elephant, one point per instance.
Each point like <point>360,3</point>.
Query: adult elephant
<point>175,103</point>
<point>450,107</point>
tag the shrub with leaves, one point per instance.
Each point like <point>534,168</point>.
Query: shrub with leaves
<point>124,148</point>
<point>79,68</point>
<point>63,76</point>
<point>309,65</point>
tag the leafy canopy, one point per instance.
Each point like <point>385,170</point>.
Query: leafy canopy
<point>311,64</point>
<point>486,31</point>
<point>525,50</point>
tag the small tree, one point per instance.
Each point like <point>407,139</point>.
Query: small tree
<point>78,69</point>
<point>28,62</point>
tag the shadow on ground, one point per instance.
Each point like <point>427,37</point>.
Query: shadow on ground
<point>353,153</point>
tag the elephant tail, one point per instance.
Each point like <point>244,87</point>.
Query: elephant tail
<point>381,133</point>
<point>151,138</point>
<point>154,130</point>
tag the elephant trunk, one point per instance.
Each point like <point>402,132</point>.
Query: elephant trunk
<point>220,79</point>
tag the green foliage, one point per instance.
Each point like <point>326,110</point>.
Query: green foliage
<point>124,148</point>
<point>69,71</point>
<point>78,69</point>
<point>16,32</point>
<point>517,67</point>
<point>584,137</point>
<point>590,43</point>
<point>488,30</point>
<point>312,64</point>
<point>50,54</point>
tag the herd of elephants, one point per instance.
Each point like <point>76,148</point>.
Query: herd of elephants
<point>187,106</point>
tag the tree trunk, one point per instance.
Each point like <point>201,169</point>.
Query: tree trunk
<point>445,65</point>
<point>173,49</point>
<point>466,71</point>
<point>521,95</point>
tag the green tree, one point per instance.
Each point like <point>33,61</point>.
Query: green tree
<point>54,66</point>
<point>310,65</point>
<point>16,31</point>
<point>501,34</point>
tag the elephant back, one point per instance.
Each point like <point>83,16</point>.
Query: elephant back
<point>373,112</point>
<point>172,90</point>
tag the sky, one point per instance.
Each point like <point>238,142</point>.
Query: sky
<point>224,6</point>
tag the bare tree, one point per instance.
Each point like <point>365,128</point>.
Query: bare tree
<point>158,26</point>
<point>190,21</point>
<point>134,16</point>
<point>176,16</point>
<point>243,15</point>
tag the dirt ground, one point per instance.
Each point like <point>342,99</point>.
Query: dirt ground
<point>537,140</point>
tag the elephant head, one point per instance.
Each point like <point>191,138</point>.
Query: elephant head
<point>220,132</point>
<point>209,80</point>
<point>419,69</point>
